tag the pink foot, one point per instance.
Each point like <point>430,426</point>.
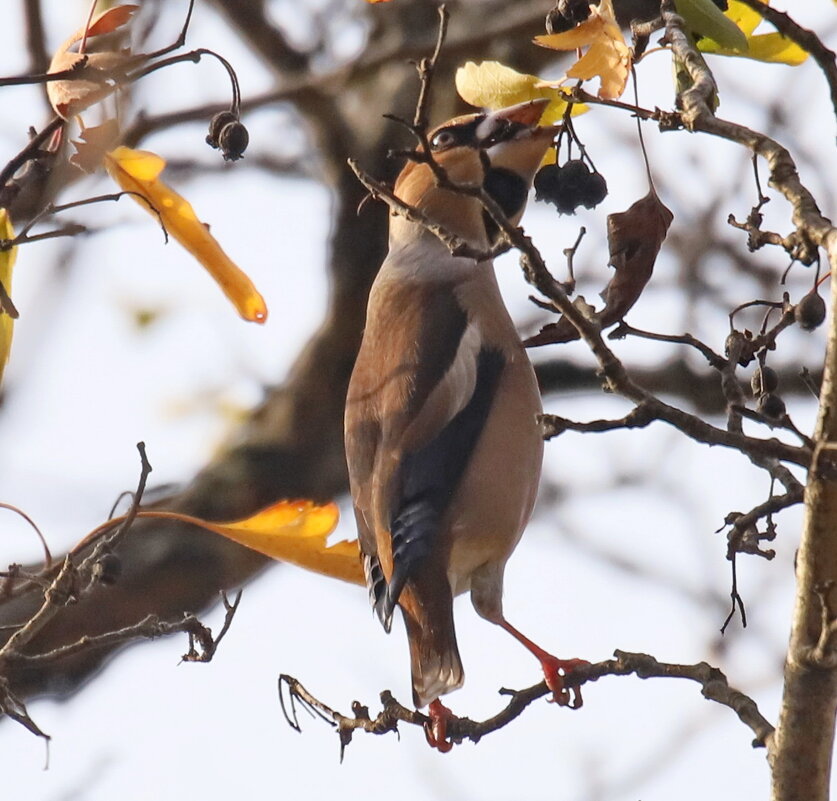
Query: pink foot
<point>436,731</point>
<point>554,671</point>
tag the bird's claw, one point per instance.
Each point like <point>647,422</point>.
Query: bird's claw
<point>436,731</point>
<point>555,671</point>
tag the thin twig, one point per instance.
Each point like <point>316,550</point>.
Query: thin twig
<point>47,554</point>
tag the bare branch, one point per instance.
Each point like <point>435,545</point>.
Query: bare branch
<point>713,682</point>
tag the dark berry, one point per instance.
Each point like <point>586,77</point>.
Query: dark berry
<point>566,14</point>
<point>810,311</point>
<point>233,140</point>
<point>595,190</point>
<point>216,125</point>
<point>571,188</point>
<point>764,380</point>
<point>771,406</point>
<point>546,181</point>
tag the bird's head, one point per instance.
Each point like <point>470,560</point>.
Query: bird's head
<point>500,149</point>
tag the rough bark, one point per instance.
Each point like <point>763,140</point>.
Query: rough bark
<point>804,740</point>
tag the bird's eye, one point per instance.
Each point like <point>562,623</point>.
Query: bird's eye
<point>442,140</point>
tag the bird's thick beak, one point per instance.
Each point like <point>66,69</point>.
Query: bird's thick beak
<point>528,113</point>
<point>513,139</point>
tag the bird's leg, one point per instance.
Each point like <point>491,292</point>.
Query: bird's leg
<point>436,730</point>
<point>554,669</point>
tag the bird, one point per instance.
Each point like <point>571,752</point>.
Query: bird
<point>443,442</point>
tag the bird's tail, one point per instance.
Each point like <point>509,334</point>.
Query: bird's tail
<point>434,655</point>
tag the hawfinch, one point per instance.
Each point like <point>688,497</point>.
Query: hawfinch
<point>442,438</point>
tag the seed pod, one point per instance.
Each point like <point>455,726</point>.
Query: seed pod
<point>810,311</point>
<point>216,125</point>
<point>765,379</point>
<point>233,140</point>
<point>771,406</point>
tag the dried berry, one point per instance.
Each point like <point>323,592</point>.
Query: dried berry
<point>216,125</point>
<point>771,406</point>
<point>233,140</point>
<point>764,380</point>
<point>567,14</point>
<point>108,569</point>
<point>742,342</point>
<point>810,311</point>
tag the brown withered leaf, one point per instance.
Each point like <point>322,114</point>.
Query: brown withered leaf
<point>71,96</point>
<point>634,238</point>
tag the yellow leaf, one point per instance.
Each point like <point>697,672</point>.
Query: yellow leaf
<point>493,85</point>
<point>138,171</point>
<point>7,311</point>
<point>607,57</point>
<point>746,18</point>
<point>770,47</point>
<point>71,96</point>
<point>776,49</point>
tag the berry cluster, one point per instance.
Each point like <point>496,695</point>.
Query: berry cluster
<point>569,186</point>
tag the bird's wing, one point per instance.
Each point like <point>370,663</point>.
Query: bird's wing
<point>417,404</point>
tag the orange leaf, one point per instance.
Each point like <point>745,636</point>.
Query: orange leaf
<point>607,57</point>
<point>138,171</point>
<point>296,532</point>
<point>289,531</point>
<point>69,97</point>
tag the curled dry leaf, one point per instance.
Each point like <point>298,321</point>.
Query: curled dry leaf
<point>71,96</point>
<point>634,239</point>
<point>138,172</point>
<point>8,313</point>
<point>607,56</point>
<point>92,145</point>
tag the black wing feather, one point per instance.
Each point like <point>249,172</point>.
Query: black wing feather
<point>429,478</point>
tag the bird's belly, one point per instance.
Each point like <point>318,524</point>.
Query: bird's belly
<point>501,481</point>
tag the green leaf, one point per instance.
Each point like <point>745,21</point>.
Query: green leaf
<point>705,18</point>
